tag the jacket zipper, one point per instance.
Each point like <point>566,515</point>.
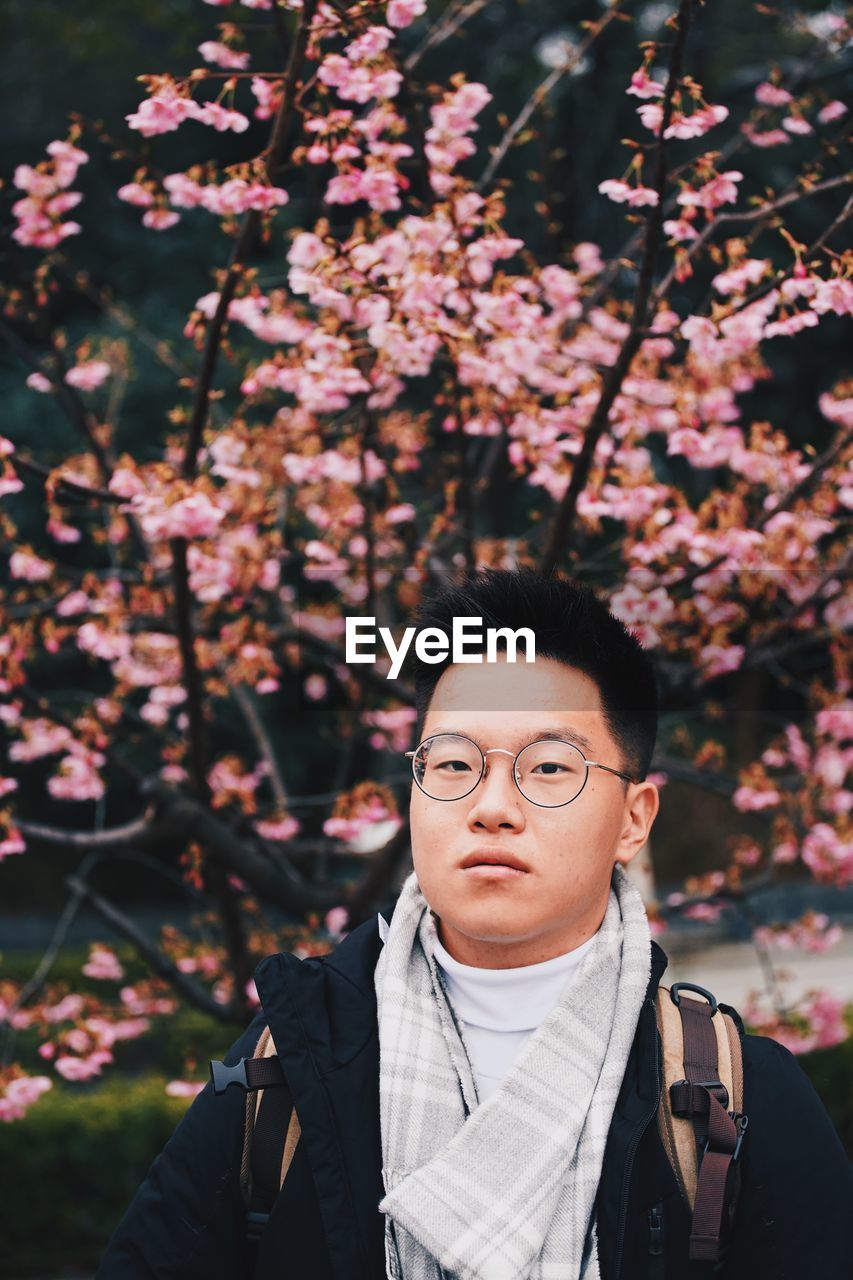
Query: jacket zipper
<point>657,1260</point>
<point>629,1164</point>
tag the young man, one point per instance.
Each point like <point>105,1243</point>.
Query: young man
<point>477,1083</point>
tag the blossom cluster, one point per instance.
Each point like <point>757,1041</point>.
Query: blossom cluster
<point>48,197</point>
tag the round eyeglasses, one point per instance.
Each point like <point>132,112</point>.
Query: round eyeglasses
<point>548,773</point>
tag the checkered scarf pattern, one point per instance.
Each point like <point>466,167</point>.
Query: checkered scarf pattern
<point>504,1190</point>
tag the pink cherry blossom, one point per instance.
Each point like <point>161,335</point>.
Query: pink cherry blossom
<point>623,193</point>
<point>766,137</point>
<point>163,112</point>
<point>183,191</point>
<point>221,118</point>
<point>772,95</point>
<point>135,193</point>
<point>221,55</point>
<point>103,964</point>
<point>680,229</point>
<point>336,920</point>
<point>720,659</point>
<point>76,1069</point>
<point>698,123</point>
<point>237,196</point>
<point>834,295</point>
<point>19,1095</point>
<point>750,799</point>
<point>738,279</point>
<point>828,855</point>
<point>88,375</point>
<point>797,125</point>
<point>160,219</point>
<point>832,111</point>
<point>11,843</point>
<point>39,382</point>
<point>402,13</point>
<point>39,215</point>
<point>721,189</point>
<point>282,828</point>
<point>268,94</point>
<point>643,86</point>
<point>27,565</point>
<point>77,777</point>
<point>836,720</point>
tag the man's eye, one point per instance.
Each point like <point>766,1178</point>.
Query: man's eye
<point>549,768</point>
<point>453,766</point>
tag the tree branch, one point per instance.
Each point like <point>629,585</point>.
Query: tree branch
<point>558,539</point>
<point>215,881</point>
<point>108,839</point>
<point>160,965</point>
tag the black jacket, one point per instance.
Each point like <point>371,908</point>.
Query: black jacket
<point>187,1220</point>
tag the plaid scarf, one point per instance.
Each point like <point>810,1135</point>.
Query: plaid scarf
<point>509,1193</point>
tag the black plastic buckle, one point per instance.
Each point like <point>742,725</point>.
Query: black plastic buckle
<point>689,986</point>
<point>223,1076</point>
<point>255,1224</point>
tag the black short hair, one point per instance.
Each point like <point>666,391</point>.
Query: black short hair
<point>571,625</point>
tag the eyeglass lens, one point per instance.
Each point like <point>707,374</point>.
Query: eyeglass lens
<point>448,767</point>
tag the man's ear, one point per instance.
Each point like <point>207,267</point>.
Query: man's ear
<point>641,806</point>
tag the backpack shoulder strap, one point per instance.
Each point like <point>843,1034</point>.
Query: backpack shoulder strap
<point>270,1134</point>
<point>271,1131</point>
<point>700,1117</point>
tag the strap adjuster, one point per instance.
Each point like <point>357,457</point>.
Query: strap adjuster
<point>223,1076</point>
<point>685,1101</point>
<point>255,1224</point>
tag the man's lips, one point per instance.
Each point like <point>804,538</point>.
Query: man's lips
<point>495,860</point>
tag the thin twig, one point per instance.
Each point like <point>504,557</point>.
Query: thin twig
<point>451,21</point>
<point>540,94</point>
<point>247,706</point>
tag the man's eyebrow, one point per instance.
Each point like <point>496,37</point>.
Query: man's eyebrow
<point>531,735</point>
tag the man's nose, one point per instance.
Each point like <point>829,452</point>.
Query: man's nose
<point>497,800</point>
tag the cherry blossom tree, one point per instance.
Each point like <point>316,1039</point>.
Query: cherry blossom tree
<point>384,384</point>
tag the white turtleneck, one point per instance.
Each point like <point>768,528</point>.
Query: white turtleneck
<point>501,1008</point>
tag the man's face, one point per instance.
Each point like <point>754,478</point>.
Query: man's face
<point>499,920</point>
